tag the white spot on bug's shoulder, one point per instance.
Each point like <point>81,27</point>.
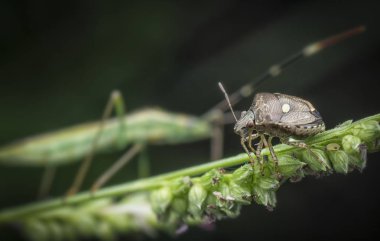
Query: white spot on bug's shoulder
<point>285,108</point>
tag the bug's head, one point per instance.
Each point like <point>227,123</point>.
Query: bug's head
<point>246,122</point>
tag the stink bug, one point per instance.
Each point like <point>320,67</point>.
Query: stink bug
<point>276,115</point>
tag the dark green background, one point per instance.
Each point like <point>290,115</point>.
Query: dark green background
<point>60,60</point>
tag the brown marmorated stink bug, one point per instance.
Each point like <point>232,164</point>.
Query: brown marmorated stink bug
<point>276,115</point>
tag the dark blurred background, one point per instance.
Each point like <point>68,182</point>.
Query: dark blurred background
<point>60,60</point>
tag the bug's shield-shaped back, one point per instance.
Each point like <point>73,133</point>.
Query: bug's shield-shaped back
<point>283,109</point>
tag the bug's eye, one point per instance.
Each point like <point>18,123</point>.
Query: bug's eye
<point>250,124</point>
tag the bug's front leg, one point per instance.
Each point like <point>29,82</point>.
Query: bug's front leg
<point>242,142</point>
<point>273,154</point>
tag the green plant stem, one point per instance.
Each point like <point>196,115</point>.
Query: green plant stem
<point>147,184</point>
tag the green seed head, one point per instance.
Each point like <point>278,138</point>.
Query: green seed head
<point>339,160</point>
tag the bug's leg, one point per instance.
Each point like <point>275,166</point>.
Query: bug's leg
<point>242,142</point>
<point>115,102</point>
<point>46,182</point>
<point>272,153</point>
<point>259,149</point>
<point>258,155</point>
<point>274,156</point>
<point>252,137</point>
<point>116,166</point>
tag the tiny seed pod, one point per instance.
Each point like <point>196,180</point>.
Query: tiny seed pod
<point>272,201</point>
<point>367,131</point>
<point>289,165</point>
<point>267,183</point>
<point>297,176</point>
<point>316,159</point>
<point>232,212</point>
<point>181,186</point>
<point>357,162</point>
<point>226,192</point>
<point>197,197</point>
<point>211,179</point>
<point>374,145</point>
<point>339,160</point>
<point>264,197</point>
<point>172,222</point>
<point>333,147</point>
<point>243,175</point>
<point>351,144</point>
<point>241,193</point>
<point>161,199</point>
<point>212,209</point>
<point>224,199</point>
<point>363,150</point>
<point>179,205</point>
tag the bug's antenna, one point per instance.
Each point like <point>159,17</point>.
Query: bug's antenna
<point>227,99</point>
<point>275,70</point>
